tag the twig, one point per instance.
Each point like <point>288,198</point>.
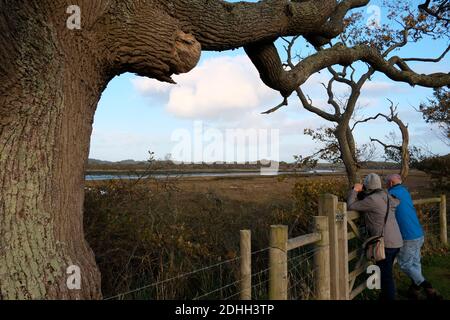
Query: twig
<point>282,104</point>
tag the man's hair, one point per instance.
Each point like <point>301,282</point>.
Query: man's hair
<point>394,178</point>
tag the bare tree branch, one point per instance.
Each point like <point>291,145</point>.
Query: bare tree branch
<point>398,44</point>
<point>307,104</point>
<point>438,12</point>
<point>282,104</point>
<point>429,59</point>
<point>368,119</point>
<point>266,59</point>
<point>403,149</point>
<point>341,78</point>
<point>331,100</point>
<point>385,146</point>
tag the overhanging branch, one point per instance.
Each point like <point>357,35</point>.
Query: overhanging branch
<point>282,104</point>
<point>266,59</point>
<point>386,146</point>
<point>429,59</point>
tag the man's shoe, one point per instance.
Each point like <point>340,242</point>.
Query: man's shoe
<point>413,293</point>
<point>432,294</point>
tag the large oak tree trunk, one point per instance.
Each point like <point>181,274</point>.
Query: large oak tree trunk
<point>51,81</point>
<point>43,156</point>
<point>47,102</point>
<point>47,110</point>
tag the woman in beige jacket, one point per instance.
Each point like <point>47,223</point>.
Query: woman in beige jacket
<point>374,205</point>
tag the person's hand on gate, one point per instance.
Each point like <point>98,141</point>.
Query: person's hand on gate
<point>358,187</point>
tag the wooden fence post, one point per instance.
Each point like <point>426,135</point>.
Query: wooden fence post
<point>328,207</point>
<point>278,262</point>
<point>246,265</point>
<point>343,283</point>
<point>321,259</point>
<point>443,219</point>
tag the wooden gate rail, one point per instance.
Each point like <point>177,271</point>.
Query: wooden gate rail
<point>278,257</point>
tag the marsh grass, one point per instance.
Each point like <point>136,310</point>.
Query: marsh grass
<point>149,231</point>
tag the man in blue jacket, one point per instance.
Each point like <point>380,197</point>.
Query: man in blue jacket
<point>413,239</point>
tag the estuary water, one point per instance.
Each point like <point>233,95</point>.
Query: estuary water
<point>115,176</point>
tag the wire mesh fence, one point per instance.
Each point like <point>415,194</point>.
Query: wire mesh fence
<point>429,217</point>
<point>222,280</point>
<point>301,273</point>
<point>218,281</point>
<point>227,282</point>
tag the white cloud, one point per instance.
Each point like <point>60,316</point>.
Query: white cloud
<point>119,145</point>
<point>226,92</point>
<point>219,87</point>
<point>150,86</point>
<point>226,88</point>
<point>381,87</point>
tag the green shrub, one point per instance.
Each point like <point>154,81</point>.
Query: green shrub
<point>306,193</point>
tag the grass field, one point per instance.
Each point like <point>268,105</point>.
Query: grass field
<point>436,268</point>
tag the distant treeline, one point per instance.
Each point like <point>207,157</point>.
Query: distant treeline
<point>100,165</point>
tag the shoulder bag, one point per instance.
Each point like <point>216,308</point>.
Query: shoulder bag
<point>374,246</point>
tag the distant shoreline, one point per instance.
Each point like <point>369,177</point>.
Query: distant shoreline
<point>93,175</point>
<point>174,171</point>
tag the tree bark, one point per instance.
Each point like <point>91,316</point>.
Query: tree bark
<point>43,155</point>
<point>347,153</point>
<point>404,171</point>
<point>48,97</point>
<point>402,149</point>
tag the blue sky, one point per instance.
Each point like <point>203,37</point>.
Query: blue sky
<point>224,92</point>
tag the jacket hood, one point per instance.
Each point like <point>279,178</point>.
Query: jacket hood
<point>372,182</point>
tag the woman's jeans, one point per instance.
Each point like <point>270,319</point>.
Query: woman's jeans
<point>409,259</point>
<point>387,275</point>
